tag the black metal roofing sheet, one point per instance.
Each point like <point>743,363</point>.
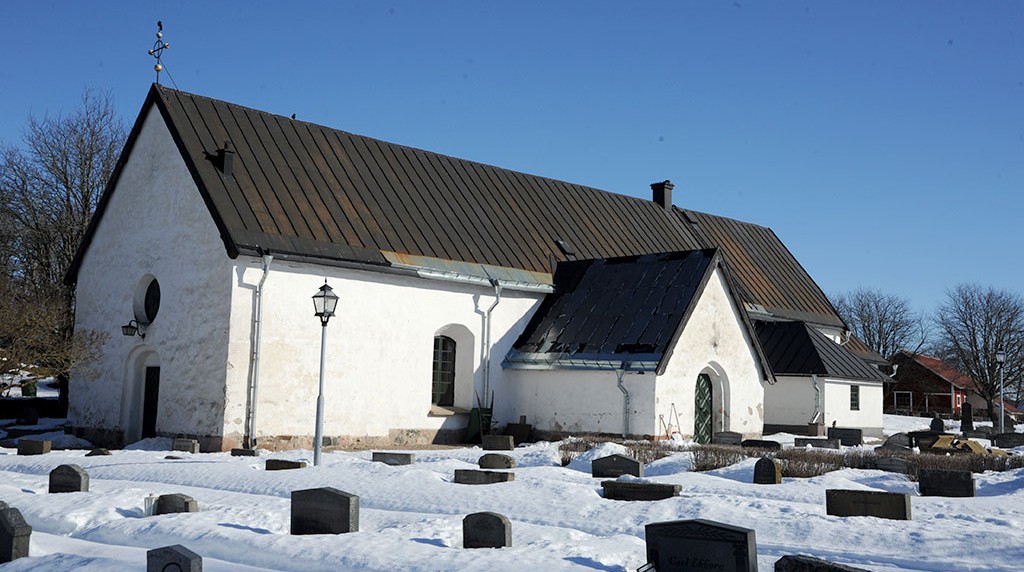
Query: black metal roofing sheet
<point>796,348</point>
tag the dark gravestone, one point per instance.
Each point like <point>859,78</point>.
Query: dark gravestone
<point>901,439</point>
<point>686,545</point>
<point>173,503</point>
<point>69,479</point>
<point>801,563</point>
<point>496,461</point>
<point>14,535</point>
<point>97,452</point>
<point>1008,440</point>
<point>615,466</point>
<point>937,425</point>
<point>847,436</point>
<point>767,472</point>
<point>283,465</point>
<point>498,443</point>
<point>520,432</point>
<point>33,446</point>
<point>324,511</point>
<point>975,434</point>
<point>761,444</point>
<point>817,443</point>
<point>186,445</point>
<point>894,506</point>
<point>924,439</point>
<point>986,429</point>
<point>966,417</point>
<point>394,459</point>
<point>241,452</point>
<point>475,477</point>
<point>175,558</point>
<point>942,483</point>
<point>634,491</point>
<point>727,438</point>
<point>894,465</point>
<point>486,530</point>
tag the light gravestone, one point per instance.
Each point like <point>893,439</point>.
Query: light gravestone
<point>175,558</point>
<point>801,563</point>
<point>727,438</point>
<point>496,461</point>
<point>816,442</point>
<point>894,506</point>
<point>966,417</point>
<point>15,534</point>
<point>393,459</point>
<point>614,466</point>
<point>498,443</point>
<point>174,503</point>
<point>33,446</point>
<point>942,483</point>
<point>686,545</point>
<point>486,530</point>
<point>69,479</point>
<point>324,511</point>
<point>767,472</point>
<point>186,445</point>
<point>847,436</point>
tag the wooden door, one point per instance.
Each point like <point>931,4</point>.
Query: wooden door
<point>702,410</point>
<point>150,398</point>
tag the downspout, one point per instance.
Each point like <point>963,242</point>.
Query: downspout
<point>249,440</point>
<point>487,339</point>
<point>818,417</point>
<point>619,373</point>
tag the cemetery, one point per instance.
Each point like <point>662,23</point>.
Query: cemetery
<point>575,504</point>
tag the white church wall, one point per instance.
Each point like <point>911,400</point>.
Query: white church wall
<point>155,225</point>
<point>379,352</point>
<point>791,401</point>
<point>838,410</point>
<point>715,342</point>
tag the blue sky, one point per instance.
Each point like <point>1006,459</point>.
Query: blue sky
<point>882,141</point>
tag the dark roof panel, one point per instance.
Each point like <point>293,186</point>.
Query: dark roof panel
<point>796,348</point>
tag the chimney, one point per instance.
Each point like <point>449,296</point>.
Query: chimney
<point>663,193</point>
<point>227,158</point>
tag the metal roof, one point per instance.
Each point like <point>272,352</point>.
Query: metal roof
<point>796,348</point>
<point>308,192</point>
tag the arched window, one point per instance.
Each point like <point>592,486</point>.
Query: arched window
<point>443,386</point>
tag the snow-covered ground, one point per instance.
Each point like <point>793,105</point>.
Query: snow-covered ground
<point>411,516</point>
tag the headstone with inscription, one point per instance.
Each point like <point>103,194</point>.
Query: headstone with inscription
<point>15,534</point>
<point>615,466</point>
<point>700,545</point>
<point>966,417</point>
<point>894,506</point>
<point>325,510</point>
<point>767,472</point>
<point>69,479</point>
<point>943,483</point>
<point>475,477</point>
<point>175,558</point>
<point>486,530</point>
<point>849,437</point>
<point>727,438</point>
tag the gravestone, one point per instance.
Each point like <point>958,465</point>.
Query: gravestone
<point>901,439</point>
<point>283,465</point>
<point>937,425</point>
<point>186,445</point>
<point>175,558</point>
<point>767,472</point>
<point>174,503</point>
<point>496,461</point>
<point>242,452</point>
<point>966,417</point>
<point>520,432</point>
<point>486,530</point>
<point>394,459</point>
<point>976,434</point>
<point>475,477</point>
<point>1008,440</point>
<point>761,444</point>
<point>33,446</point>
<point>638,491</point>
<point>69,479</point>
<point>727,438</point>
<point>986,429</point>
<point>15,534</point>
<point>924,439</point>
<point>97,452</point>
<point>894,465</point>
<point>847,436</point>
<point>324,510</point>
<point>615,466</point>
<point>894,506</point>
<point>685,545</point>
<point>498,443</point>
<point>801,563</point>
<point>818,443</point>
<point>943,483</point>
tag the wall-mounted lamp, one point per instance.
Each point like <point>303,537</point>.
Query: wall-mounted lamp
<point>132,328</point>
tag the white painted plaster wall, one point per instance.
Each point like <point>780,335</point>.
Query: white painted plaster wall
<point>379,349</point>
<point>714,342</point>
<point>837,406</point>
<point>791,400</point>
<point>155,223</point>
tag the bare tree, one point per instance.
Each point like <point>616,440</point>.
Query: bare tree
<point>885,322</point>
<point>973,324</point>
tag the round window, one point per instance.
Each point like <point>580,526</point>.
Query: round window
<point>147,300</point>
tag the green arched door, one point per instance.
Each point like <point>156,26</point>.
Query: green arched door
<point>702,410</point>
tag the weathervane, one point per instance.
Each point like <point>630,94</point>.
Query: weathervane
<point>158,49</point>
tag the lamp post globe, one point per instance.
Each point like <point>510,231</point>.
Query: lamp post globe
<point>325,301</point>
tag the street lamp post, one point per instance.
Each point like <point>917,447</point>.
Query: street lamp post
<point>1000,358</point>
<point>325,302</point>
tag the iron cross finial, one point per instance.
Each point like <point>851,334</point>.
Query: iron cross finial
<point>158,49</point>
